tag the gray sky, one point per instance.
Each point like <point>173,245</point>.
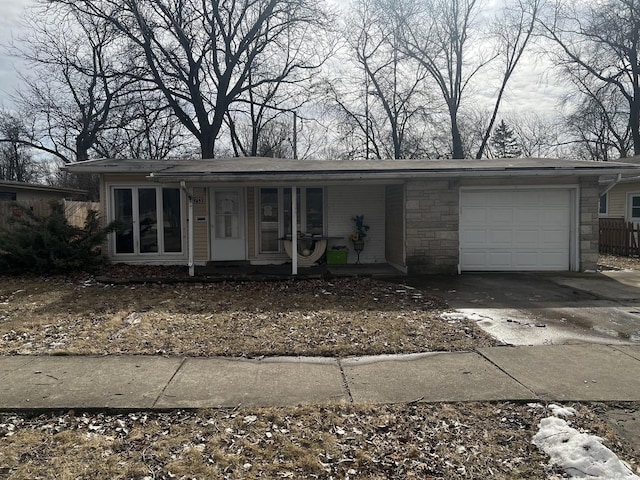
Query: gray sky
<point>531,89</point>
<point>11,11</point>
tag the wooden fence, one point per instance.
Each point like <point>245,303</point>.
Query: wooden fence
<point>76,212</point>
<point>619,237</point>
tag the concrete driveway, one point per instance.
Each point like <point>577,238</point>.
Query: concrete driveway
<point>545,308</point>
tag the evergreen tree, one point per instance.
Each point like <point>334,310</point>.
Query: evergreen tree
<point>504,143</point>
<point>49,244</point>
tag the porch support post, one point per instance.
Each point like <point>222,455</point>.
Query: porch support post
<point>294,231</point>
<point>190,229</point>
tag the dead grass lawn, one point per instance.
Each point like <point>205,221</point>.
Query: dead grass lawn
<point>445,441</point>
<point>345,316</point>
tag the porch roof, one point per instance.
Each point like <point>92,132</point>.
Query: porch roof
<point>270,169</point>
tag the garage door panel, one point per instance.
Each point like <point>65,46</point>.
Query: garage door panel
<point>498,198</point>
<point>527,215</point>
<point>551,238</point>
<point>500,214</point>
<point>526,238</point>
<point>474,216</point>
<point>499,260</point>
<point>475,260</point>
<point>549,259</point>
<point>555,217</point>
<point>526,260</point>
<point>523,229</point>
<point>554,197</point>
<point>476,198</point>
<point>476,238</point>
<point>501,236</point>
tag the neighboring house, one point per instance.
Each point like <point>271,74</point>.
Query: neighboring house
<point>37,198</point>
<point>431,216</point>
<point>620,199</point>
<point>29,192</point>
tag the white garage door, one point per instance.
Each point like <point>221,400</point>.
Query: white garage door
<point>504,230</point>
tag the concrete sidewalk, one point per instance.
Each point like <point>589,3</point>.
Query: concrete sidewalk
<point>547,373</point>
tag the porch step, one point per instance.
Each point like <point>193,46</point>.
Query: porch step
<point>227,264</point>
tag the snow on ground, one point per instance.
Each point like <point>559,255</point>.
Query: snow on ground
<point>581,455</point>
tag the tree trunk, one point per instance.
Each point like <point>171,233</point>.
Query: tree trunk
<point>207,143</point>
<point>457,151</point>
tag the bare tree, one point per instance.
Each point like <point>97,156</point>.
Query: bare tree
<point>200,53</point>
<point>143,127</point>
<point>394,83</point>
<point>436,33</point>
<point>447,39</point>
<point>512,32</point>
<point>537,136</point>
<point>599,127</point>
<point>597,50</point>
<point>74,83</point>
<point>16,161</point>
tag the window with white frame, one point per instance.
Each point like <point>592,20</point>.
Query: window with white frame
<point>604,204</point>
<point>274,216</point>
<point>149,218</point>
<point>634,207</point>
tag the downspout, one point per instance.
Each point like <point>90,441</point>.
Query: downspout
<point>612,184</point>
<point>190,240</point>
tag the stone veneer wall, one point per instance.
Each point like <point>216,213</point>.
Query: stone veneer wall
<point>589,227</point>
<point>432,219</point>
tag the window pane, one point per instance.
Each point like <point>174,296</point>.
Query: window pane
<point>123,214</point>
<point>603,204</point>
<point>8,196</point>
<point>635,201</point>
<point>172,227</point>
<point>314,211</point>
<point>147,218</point>
<point>286,208</point>
<point>269,220</point>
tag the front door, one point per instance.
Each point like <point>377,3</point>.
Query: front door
<point>227,225</point>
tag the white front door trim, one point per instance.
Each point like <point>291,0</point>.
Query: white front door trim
<point>227,224</point>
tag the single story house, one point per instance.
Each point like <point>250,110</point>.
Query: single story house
<point>37,197</point>
<point>620,199</point>
<point>424,216</point>
<point>22,192</point>
<point>620,195</point>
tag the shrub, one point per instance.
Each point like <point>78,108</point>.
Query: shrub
<point>49,244</point>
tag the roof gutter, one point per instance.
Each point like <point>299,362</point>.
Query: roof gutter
<point>287,177</point>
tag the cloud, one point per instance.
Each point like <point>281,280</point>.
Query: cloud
<point>10,27</point>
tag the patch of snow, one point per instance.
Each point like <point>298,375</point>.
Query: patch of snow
<point>559,411</point>
<point>460,316</point>
<point>581,455</point>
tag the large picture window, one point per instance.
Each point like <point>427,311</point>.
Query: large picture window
<point>275,215</point>
<point>150,220</point>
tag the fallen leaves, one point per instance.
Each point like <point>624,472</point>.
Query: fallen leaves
<point>345,316</point>
<point>333,441</point>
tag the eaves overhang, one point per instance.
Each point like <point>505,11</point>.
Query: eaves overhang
<point>342,176</point>
<point>245,170</point>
